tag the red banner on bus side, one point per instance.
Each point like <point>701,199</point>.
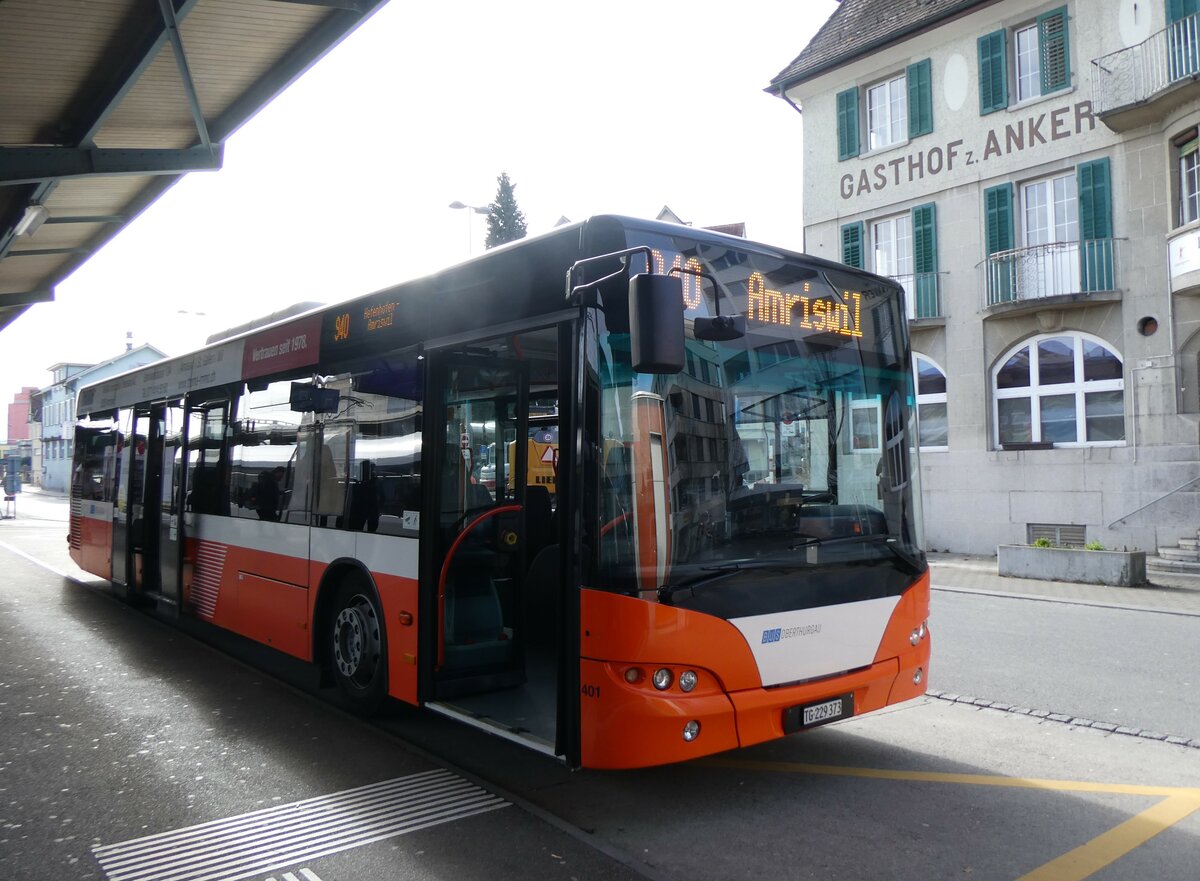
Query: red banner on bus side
<point>295,344</point>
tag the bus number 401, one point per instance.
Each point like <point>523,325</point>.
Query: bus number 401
<point>589,690</point>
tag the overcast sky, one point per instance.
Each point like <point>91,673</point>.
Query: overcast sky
<point>342,185</point>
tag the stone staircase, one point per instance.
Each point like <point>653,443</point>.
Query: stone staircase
<point>1182,559</point>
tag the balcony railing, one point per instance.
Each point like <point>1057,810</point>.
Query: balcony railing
<point>1133,75</point>
<point>1054,270</point>
<point>922,294</point>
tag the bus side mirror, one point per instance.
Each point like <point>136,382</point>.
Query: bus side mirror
<point>656,337</point>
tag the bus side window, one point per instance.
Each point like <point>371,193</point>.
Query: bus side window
<point>331,478</point>
<point>384,467</point>
<point>270,464</point>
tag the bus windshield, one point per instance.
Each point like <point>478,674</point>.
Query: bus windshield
<point>777,468</point>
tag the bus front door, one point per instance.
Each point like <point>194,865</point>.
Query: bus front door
<point>481,530</point>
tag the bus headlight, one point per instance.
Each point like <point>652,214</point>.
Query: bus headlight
<point>634,675</point>
<point>918,676</point>
<point>687,680</point>
<point>662,678</point>
<point>691,731</point>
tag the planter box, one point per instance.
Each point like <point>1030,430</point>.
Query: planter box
<point>1120,568</point>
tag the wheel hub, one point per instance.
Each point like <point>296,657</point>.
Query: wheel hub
<point>349,640</point>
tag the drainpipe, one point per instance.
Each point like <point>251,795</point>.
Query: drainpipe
<point>794,105</point>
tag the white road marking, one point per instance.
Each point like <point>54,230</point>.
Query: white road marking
<point>268,840</point>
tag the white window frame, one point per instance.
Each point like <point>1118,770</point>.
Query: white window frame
<point>1027,62</point>
<point>1189,180</point>
<point>1035,391</point>
<point>892,248</point>
<point>931,398</point>
<point>887,113</point>
<point>1049,211</point>
<point>875,407</point>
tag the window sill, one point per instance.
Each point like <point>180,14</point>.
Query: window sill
<point>1066,445</point>
<point>1038,99</point>
<point>1182,229</point>
<point>879,151</point>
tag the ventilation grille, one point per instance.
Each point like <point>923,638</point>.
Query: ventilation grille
<point>1061,535</point>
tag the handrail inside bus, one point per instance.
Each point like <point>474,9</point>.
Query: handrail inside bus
<point>503,509</point>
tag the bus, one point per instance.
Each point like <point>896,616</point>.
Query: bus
<point>732,551</point>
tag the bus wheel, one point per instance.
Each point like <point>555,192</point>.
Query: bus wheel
<point>357,651</point>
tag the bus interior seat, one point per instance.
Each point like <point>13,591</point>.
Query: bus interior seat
<point>474,626</point>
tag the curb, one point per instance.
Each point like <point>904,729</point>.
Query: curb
<point>1066,719</point>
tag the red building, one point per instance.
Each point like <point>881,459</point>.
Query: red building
<point>18,416</point>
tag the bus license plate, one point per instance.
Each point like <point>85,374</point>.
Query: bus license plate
<point>810,715</point>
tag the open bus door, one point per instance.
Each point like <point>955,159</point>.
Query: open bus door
<point>171,480</point>
<point>148,544</point>
<point>491,655</point>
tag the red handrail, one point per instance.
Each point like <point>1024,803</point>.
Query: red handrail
<point>612,524</point>
<point>503,509</point>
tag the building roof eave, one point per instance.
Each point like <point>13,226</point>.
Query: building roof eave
<point>794,74</point>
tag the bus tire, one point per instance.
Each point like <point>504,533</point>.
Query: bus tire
<point>358,647</point>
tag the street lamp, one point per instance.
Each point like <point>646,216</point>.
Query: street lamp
<point>478,209</point>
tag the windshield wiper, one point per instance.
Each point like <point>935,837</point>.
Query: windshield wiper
<point>890,542</point>
<point>724,570</point>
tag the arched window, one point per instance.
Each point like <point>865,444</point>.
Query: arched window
<point>1064,388</point>
<point>931,404</point>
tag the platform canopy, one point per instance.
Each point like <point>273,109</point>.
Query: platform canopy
<point>104,104</point>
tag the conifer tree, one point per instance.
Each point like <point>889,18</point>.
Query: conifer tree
<point>505,221</point>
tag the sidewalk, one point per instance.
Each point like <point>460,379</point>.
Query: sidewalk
<point>1168,592</point>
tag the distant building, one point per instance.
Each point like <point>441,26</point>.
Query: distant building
<point>730,229</point>
<point>18,415</point>
<point>54,408</point>
<point>1030,172</point>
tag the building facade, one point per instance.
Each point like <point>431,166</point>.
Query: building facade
<point>55,405</point>
<point>18,415</point>
<point>1030,172</point>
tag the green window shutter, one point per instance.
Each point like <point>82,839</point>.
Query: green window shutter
<point>993,72</point>
<point>1055,50</point>
<point>1001,271</point>
<point>1095,201</point>
<point>924,232</point>
<point>1095,225</point>
<point>926,301</point>
<point>852,244</point>
<point>998,207</point>
<point>920,98</point>
<point>847,123</point>
<point>1177,10</point>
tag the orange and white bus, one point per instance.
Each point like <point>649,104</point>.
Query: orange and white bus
<point>732,551</point>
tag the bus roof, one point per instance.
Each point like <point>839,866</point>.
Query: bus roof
<point>531,271</point>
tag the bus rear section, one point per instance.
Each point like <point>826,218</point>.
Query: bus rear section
<point>758,567</point>
<point>94,481</point>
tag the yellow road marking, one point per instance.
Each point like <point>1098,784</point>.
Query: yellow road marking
<point>959,779</point>
<point>1179,802</point>
<point>1087,859</point>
